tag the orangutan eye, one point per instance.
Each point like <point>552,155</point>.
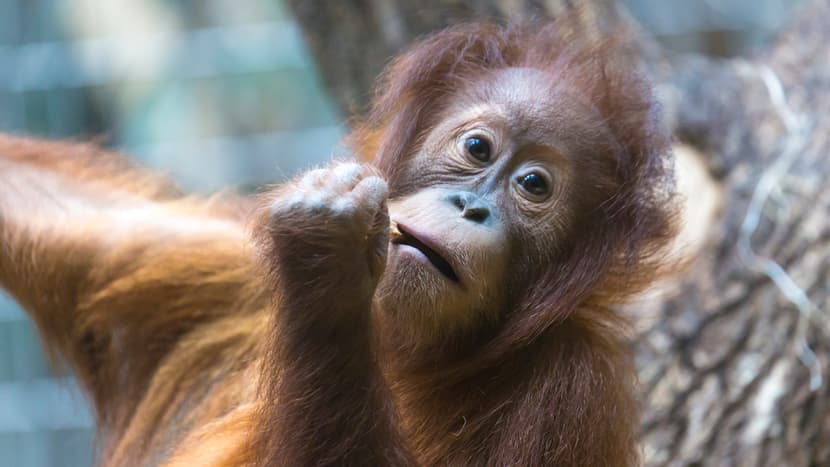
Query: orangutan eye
<point>535,184</point>
<point>478,148</point>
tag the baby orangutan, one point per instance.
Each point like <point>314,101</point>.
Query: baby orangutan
<point>524,179</point>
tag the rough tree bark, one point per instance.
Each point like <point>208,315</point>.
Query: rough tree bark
<point>735,364</point>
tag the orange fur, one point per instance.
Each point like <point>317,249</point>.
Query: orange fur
<point>200,344</point>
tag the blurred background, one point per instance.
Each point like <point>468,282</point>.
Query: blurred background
<point>214,93</point>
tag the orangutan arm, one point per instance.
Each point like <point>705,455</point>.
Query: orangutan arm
<point>112,264</point>
<point>324,238</point>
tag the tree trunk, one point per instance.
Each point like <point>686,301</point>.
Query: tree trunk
<point>734,365</point>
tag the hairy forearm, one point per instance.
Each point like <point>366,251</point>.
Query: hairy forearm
<point>91,246</point>
<point>69,212</point>
<point>35,256</point>
<point>60,205</point>
<point>330,403</point>
<point>324,240</point>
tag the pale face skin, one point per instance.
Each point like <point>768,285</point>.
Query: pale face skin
<point>477,202</point>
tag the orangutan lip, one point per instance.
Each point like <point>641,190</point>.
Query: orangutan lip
<point>442,265</point>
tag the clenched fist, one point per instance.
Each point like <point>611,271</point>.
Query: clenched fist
<point>330,230</point>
